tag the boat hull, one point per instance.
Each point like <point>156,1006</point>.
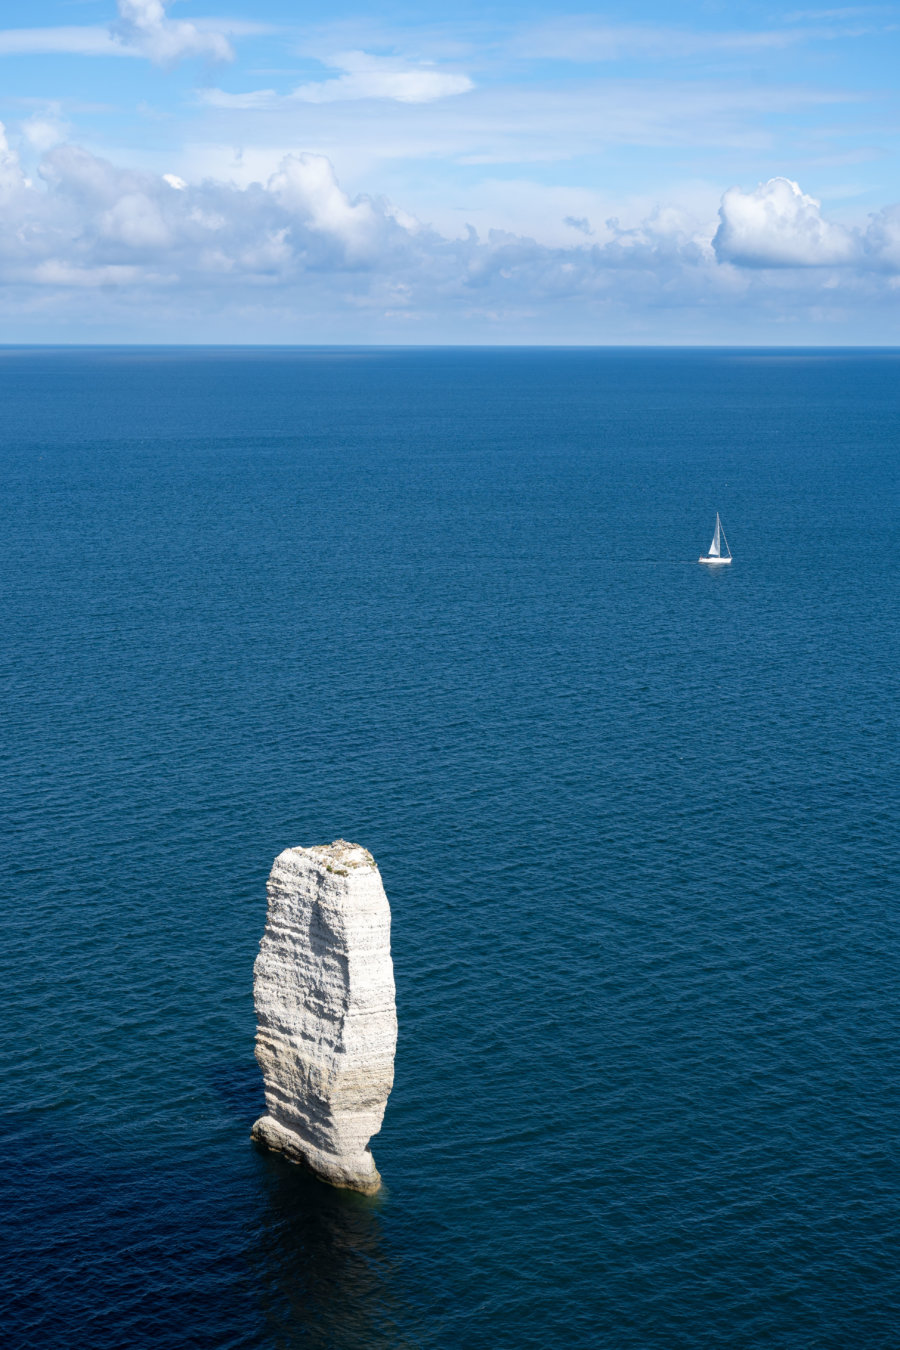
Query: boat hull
<point>715,562</point>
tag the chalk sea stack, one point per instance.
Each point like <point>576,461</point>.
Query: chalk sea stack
<point>323,985</point>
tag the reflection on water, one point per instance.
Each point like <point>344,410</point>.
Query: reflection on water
<point>322,1272</point>
<point>319,1272</point>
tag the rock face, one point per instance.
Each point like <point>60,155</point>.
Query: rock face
<point>323,985</point>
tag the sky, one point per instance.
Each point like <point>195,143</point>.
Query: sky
<point>228,171</point>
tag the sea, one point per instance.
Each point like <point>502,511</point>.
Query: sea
<point>637,820</point>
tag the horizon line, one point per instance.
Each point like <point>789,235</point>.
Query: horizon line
<point>461,346</point>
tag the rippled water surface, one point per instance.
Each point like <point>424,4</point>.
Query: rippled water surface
<point>638,822</point>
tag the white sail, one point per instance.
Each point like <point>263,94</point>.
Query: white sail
<point>714,546</point>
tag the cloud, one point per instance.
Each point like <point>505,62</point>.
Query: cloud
<point>580,40</point>
<point>144,27</point>
<point>85,216</point>
<point>366,76</point>
<point>12,179</point>
<point>363,77</point>
<point>43,130</point>
<point>520,125</point>
<point>136,221</point>
<point>55,273</point>
<point>298,249</point>
<point>778,225</point>
<point>882,239</point>
<point>307,189</point>
<point>81,41</point>
<point>246,102</point>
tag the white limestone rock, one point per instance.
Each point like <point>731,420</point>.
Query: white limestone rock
<point>323,985</point>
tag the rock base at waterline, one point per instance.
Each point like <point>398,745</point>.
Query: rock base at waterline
<point>351,1176</point>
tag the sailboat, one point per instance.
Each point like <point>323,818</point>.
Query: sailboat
<point>719,552</point>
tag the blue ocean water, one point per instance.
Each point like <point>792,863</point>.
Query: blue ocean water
<point>637,820</point>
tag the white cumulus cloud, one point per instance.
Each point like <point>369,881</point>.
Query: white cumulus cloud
<point>306,187</point>
<point>778,225</point>
<point>298,249</point>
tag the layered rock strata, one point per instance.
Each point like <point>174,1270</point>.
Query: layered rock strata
<point>323,985</point>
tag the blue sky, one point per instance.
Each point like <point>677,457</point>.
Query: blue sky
<point>211,170</point>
